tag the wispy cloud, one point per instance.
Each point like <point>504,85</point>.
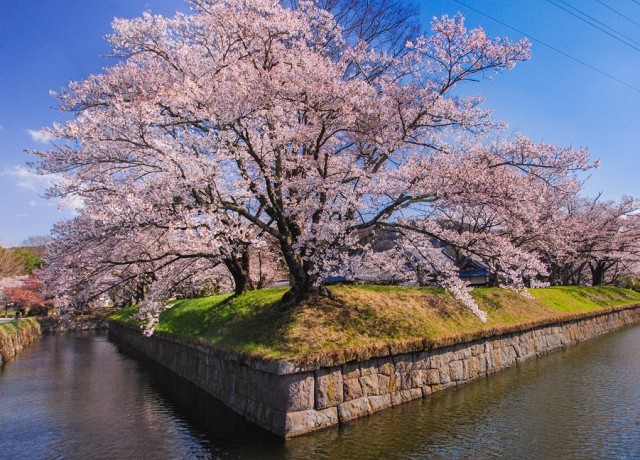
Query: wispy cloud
<point>24,178</point>
<point>39,136</point>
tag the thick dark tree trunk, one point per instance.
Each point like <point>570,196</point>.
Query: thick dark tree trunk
<point>239,269</point>
<point>492,279</point>
<point>304,283</point>
<point>597,274</point>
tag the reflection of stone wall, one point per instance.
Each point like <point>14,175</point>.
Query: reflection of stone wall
<point>80,324</point>
<point>13,341</point>
<point>290,400</point>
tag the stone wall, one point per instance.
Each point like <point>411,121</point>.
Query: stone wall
<point>82,324</point>
<point>14,339</point>
<point>290,399</point>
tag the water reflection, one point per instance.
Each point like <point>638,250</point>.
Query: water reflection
<point>76,396</point>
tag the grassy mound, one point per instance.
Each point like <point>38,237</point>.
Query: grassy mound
<point>9,329</point>
<point>365,316</point>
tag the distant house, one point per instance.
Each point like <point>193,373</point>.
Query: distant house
<point>475,273</point>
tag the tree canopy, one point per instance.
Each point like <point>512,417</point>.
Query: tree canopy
<point>255,126</point>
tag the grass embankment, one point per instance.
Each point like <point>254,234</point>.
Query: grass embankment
<point>365,316</point>
<point>10,328</point>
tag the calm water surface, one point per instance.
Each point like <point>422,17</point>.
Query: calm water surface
<point>76,396</point>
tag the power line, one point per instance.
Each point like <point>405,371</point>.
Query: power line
<point>619,13</point>
<point>602,72</point>
<point>595,26</point>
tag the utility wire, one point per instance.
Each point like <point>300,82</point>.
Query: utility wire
<point>619,13</point>
<point>595,26</point>
<point>602,72</point>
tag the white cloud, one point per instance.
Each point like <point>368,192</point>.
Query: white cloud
<point>39,136</point>
<point>24,178</point>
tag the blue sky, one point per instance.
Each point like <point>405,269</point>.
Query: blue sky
<point>44,44</point>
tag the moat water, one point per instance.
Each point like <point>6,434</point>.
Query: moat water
<point>76,396</point>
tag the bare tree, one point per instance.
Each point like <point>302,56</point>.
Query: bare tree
<point>10,265</point>
<point>384,24</point>
<point>36,241</point>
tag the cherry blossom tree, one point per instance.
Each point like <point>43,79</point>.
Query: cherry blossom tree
<point>599,237</point>
<point>28,295</point>
<point>250,118</point>
<point>497,211</point>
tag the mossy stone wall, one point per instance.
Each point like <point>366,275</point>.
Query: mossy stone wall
<point>14,340</point>
<point>290,399</point>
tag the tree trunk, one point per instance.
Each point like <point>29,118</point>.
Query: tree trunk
<point>492,279</point>
<point>239,269</point>
<point>304,282</point>
<point>597,274</point>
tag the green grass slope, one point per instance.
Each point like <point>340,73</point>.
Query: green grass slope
<point>10,328</point>
<point>366,316</point>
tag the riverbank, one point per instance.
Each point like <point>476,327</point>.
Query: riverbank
<point>16,335</point>
<point>298,393</point>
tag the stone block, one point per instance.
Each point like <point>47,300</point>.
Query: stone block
<point>403,396</point>
<point>350,371</point>
<point>405,380</point>
<point>395,383</point>
<point>278,423</point>
<point>287,393</point>
<point>264,415</point>
<point>353,409</point>
<point>368,368</point>
<point>403,362</point>
<point>471,368</point>
<point>369,384</point>
<point>385,366</point>
<point>301,422</point>
<point>456,371</point>
<point>418,378</point>
<point>300,391</point>
<point>380,402</point>
<point>440,358</point>
<point>384,384</point>
<point>352,389</point>
<point>328,388</point>
<point>445,377</point>
<point>443,386</point>
<point>477,349</point>
<point>432,377</point>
